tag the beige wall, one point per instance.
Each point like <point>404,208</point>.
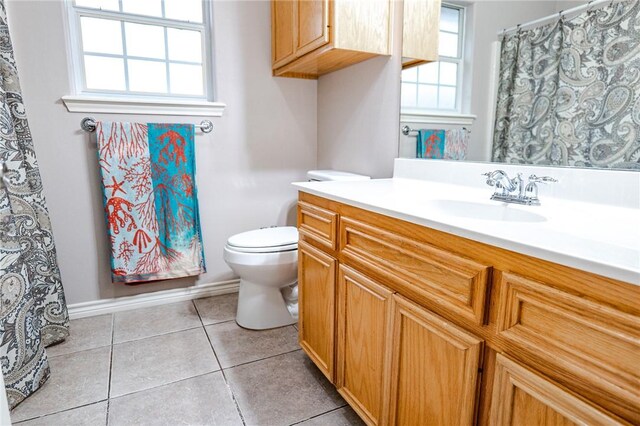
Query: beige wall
<point>265,140</point>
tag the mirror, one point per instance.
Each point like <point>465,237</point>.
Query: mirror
<point>420,17</point>
<point>568,84</point>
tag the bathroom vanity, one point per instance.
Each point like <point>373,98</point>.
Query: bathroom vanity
<point>424,304</point>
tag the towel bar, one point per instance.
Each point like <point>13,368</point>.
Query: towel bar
<point>406,130</point>
<point>88,124</point>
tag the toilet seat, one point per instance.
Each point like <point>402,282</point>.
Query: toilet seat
<point>267,240</point>
<point>259,258</point>
<point>275,249</point>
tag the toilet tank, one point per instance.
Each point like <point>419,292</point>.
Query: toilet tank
<point>322,175</point>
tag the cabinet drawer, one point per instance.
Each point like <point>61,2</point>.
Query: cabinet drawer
<point>589,345</point>
<point>417,269</point>
<point>318,224</point>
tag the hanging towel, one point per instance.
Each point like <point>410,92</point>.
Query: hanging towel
<point>150,200</point>
<point>456,142</point>
<point>430,143</point>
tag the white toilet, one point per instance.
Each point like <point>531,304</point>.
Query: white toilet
<point>266,260</point>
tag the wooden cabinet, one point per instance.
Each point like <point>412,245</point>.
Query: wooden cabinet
<point>563,332</point>
<point>312,25</point>
<point>316,304</point>
<point>523,397</point>
<point>318,224</point>
<point>314,37</point>
<point>434,369</point>
<point>422,271</point>
<point>283,47</point>
<point>364,315</point>
<point>420,32</point>
<point>400,364</point>
<point>427,328</point>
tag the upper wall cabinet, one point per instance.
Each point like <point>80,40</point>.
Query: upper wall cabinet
<point>314,37</point>
<point>420,31</point>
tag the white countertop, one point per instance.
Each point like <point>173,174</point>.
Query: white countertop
<point>595,237</point>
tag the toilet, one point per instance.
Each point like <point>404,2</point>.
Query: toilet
<point>266,260</point>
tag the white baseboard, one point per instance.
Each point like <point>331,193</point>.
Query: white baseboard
<point>107,306</point>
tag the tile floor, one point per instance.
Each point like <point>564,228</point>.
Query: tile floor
<point>185,363</point>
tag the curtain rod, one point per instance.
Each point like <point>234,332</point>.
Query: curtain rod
<point>537,22</point>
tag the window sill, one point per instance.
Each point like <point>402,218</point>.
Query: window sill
<point>434,117</point>
<point>106,104</point>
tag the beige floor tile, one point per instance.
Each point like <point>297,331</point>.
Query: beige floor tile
<point>85,333</point>
<point>203,400</point>
<point>282,390</point>
<point>146,363</point>
<point>89,415</point>
<point>235,345</point>
<point>154,321</point>
<point>76,379</point>
<point>342,417</point>
<point>217,309</point>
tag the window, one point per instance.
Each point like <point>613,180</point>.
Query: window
<point>152,48</point>
<point>436,86</point>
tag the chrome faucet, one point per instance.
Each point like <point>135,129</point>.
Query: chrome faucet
<point>501,180</point>
<point>514,190</point>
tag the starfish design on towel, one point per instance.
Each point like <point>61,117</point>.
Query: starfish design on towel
<point>116,186</point>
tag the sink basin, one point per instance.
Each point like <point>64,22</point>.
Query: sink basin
<point>501,212</point>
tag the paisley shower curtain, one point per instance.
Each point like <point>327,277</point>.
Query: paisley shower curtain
<point>569,92</point>
<point>33,313</point>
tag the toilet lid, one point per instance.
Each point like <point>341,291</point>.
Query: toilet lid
<point>280,238</point>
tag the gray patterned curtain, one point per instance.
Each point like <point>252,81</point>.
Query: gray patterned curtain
<point>569,92</point>
<point>33,313</point>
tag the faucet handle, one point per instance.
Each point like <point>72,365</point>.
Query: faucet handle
<point>490,180</point>
<point>542,179</point>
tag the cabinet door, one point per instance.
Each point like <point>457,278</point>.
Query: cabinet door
<point>522,397</point>
<point>312,25</point>
<point>364,318</point>
<point>316,304</point>
<point>420,31</point>
<point>434,369</point>
<point>283,31</point>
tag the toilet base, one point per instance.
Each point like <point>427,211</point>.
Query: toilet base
<point>261,307</point>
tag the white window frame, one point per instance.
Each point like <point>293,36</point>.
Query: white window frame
<point>439,115</point>
<point>84,99</point>
<point>462,33</point>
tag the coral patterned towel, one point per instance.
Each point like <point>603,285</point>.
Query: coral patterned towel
<point>150,200</point>
<point>430,143</point>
